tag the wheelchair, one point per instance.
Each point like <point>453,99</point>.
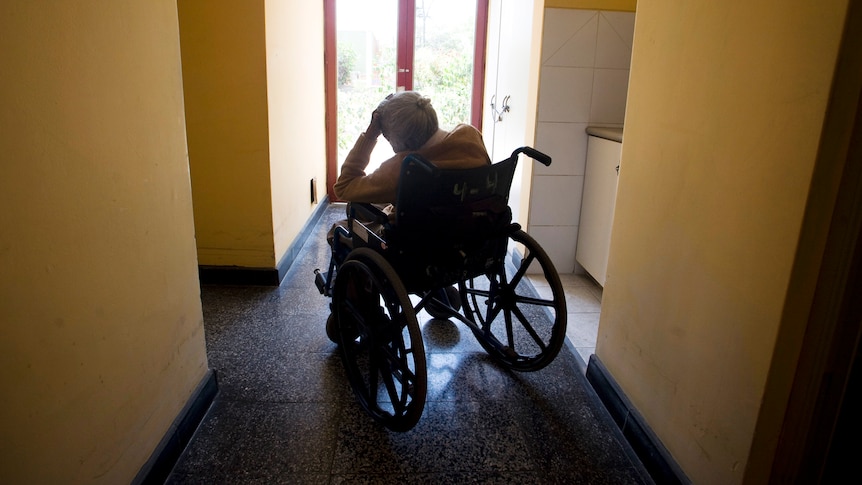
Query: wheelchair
<point>452,249</point>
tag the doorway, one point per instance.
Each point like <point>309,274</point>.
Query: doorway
<point>377,47</point>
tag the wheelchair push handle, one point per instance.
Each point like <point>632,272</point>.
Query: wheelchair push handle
<point>534,154</point>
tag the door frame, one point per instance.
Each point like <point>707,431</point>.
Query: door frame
<point>819,421</point>
<point>330,76</point>
<point>406,44</point>
<point>404,60</point>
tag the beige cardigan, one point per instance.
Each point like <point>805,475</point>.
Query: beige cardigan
<point>461,148</point>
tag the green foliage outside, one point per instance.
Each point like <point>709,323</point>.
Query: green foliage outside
<point>443,72</point>
<point>356,102</point>
<point>346,64</point>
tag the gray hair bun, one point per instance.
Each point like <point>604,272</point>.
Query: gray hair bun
<point>407,120</point>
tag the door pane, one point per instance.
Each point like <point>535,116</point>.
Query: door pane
<point>443,57</point>
<point>366,43</point>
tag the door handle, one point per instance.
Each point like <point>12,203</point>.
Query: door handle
<point>498,114</point>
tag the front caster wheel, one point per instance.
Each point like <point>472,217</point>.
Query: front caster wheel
<point>444,303</point>
<point>332,329</point>
<point>380,340</point>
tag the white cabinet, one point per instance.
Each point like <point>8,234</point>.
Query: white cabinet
<point>597,207</point>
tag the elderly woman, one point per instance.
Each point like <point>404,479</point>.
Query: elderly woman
<point>408,121</point>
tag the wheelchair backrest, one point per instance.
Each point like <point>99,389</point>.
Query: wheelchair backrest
<point>453,204</point>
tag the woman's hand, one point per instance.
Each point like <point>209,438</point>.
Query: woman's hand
<point>374,130</point>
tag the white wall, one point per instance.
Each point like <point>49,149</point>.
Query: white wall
<point>584,78</point>
<point>512,72</point>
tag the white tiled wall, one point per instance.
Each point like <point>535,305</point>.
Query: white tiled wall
<point>583,81</point>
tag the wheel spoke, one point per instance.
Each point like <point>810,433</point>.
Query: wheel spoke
<point>533,301</point>
<point>529,328</point>
<point>477,292</point>
<point>494,305</point>
<point>394,398</point>
<point>472,306</point>
<point>355,314</point>
<point>526,261</point>
<point>518,327</point>
<point>493,311</point>
<point>373,373</point>
<point>397,362</point>
<point>510,333</point>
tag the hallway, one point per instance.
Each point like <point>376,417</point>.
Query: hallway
<point>285,413</point>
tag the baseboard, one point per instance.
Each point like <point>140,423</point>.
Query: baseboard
<point>245,276</point>
<point>643,441</point>
<point>299,241</point>
<point>238,275</point>
<point>169,449</point>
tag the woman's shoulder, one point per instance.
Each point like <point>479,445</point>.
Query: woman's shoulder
<point>464,127</point>
<point>465,131</point>
<point>463,147</point>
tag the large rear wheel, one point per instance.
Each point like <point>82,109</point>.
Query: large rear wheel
<point>520,324</point>
<point>380,340</point>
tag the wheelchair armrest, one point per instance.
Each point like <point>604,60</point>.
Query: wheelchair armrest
<point>366,212</point>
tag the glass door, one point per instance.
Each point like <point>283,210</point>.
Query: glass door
<point>443,57</point>
<point>366,42</point>
<point>384,46</point>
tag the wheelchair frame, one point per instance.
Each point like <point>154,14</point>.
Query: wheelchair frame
<point>452,227</point>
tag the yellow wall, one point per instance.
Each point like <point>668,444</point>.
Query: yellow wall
<point>254,93</point>
<point>101,335</point>
<point>297,129</point>
<point>619,5</point>
<point>723,121</point>
<point>224,79</point>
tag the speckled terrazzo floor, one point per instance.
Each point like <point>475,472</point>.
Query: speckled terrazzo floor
<point>285,413</point>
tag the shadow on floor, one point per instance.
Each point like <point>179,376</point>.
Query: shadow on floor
<point>285,413</point>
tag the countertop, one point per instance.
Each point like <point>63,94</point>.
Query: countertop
<point>608,133</point>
